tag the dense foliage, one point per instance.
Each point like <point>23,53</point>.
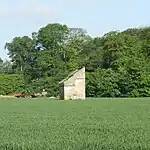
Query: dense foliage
<point>10,84</point>
<point>117,64</point>
<point>78,125</point>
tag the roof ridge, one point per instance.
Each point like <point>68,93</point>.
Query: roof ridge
<point>70,75</point>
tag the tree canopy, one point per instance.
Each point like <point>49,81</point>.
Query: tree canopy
<point>117,63</point>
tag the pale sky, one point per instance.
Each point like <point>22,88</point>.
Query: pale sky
<point>22,17</point>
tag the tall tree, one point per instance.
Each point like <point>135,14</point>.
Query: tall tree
<point>6,67</point>
<point>23,53</point>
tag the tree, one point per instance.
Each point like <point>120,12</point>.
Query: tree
<point>1,61</point>
<point>91,55</point>
<point>6,67</point>
<point>117,64</point>
<point>23,53</point>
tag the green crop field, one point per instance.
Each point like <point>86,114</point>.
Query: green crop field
<point>100,124</point>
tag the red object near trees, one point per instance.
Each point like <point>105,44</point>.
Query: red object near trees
<point>19,95</point>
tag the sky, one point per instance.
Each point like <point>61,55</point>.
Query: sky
<point>22,17</point>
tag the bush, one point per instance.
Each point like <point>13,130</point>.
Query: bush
<point>118,83</point>
<point>11,83</point>
<point>102,83</point>
<point>50,84</point>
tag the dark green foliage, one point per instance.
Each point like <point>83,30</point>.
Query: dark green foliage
<point>50,84</point>
<point>123,66</point>
<point>6,67</point>
<point>10,84</point>
<point>117,64</point>
<point>102,83</point>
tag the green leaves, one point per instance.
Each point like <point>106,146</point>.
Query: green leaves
<point>52,36</point>
<point>102,83</point>
<point>10,84</point>
<point>6,67</point>
<point>126,61</point>
<point>117,64</point>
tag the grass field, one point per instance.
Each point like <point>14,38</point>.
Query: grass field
<point>105,124</point>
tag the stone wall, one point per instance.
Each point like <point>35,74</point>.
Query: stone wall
<point>73,87</point>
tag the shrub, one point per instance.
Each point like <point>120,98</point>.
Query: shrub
<point>11,83</point>
<point>102,83</point>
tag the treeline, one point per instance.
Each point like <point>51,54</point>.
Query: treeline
<point>117,64</point>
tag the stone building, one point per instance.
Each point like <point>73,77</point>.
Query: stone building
<point>73,87</point>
